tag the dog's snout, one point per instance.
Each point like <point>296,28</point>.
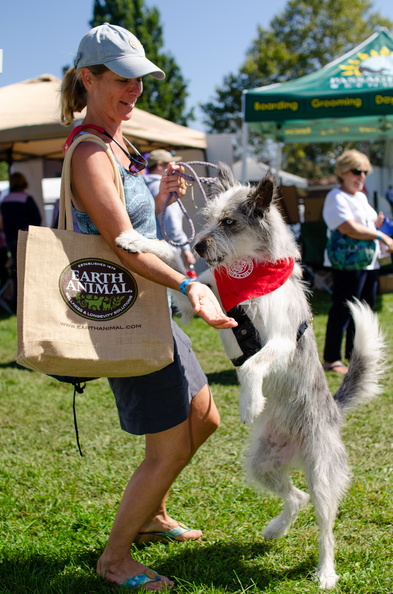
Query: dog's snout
<point>201,247</point>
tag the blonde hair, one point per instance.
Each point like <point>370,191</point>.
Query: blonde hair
<point>351,159</point>
<point>73,94</point>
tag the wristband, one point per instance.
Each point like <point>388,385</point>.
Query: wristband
<point>379,235</point>
<point>184,284</point>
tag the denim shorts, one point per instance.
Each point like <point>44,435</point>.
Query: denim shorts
<point>160,400</point>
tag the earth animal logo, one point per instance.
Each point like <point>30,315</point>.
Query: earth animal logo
<point>97,289</point>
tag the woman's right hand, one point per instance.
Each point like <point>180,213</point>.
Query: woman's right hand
<point>206,306</point>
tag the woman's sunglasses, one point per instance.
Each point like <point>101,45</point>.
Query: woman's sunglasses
<point>359,172</point>
<point>137,162</point>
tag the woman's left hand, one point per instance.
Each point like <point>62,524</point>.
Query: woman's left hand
<point>170,182</point>
<point>206,306</point>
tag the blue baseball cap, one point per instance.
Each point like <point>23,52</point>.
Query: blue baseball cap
<point>118,49</point>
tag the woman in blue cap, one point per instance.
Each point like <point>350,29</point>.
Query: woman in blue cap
<point>173,407</point>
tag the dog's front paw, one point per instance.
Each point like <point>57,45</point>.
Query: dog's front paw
<point>250,406</point>
<point>135,243</point>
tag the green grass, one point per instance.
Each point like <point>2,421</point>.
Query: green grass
<point>57,508</point>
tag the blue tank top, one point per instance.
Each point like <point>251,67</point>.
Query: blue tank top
<point>139,205</point>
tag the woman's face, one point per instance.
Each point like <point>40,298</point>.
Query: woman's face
<point>353,181</point>
<point>114,96</point>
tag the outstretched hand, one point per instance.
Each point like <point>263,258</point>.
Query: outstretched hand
<point>206,306</point>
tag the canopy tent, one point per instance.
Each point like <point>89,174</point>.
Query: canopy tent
<point>30,126</point>
<point>257,170</point>
<point>349,99</point>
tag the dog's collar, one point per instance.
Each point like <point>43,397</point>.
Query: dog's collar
<point>247,336</point>
<point>249,278</point>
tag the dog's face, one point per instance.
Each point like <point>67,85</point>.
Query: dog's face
<point>238,223</point>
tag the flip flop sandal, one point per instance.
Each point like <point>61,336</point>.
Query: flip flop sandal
<point>336,367</point>
<point>140,580</point>
<point>163,537</point>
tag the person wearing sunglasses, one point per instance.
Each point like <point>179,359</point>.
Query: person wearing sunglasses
<point>173,408</point>
<point>347,209</point>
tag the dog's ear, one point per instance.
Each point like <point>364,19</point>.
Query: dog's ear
<point>224,180</point>
<point>261,196</point>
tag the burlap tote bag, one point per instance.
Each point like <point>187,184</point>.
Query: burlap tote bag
<point>80,312</point>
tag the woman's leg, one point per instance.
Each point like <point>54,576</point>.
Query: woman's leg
<point>203,421</point>
<point>366,290</point>
<point>344,287</point>
<point>167,453</point>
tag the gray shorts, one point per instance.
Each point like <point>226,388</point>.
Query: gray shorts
<point>161,400</point>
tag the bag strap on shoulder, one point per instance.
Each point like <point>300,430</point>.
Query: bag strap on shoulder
<point>65,205</point>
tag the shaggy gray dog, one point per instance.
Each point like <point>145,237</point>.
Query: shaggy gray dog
<point>283,388</point>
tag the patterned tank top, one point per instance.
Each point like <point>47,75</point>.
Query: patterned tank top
<point>139,205</point>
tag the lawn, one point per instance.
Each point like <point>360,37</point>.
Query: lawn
<point>57,508</point>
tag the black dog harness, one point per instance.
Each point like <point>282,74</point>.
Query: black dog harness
<point>247,336</point>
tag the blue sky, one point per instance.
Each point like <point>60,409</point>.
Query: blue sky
<point>208,38</point>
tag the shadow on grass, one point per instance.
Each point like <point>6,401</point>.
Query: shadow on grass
<point>234,567</point>
<point>11,365</point>
<point>48,575</point>
<point>224,378</point>
<point>231,567</point>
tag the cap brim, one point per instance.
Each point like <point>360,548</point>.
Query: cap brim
<point>135,67</point>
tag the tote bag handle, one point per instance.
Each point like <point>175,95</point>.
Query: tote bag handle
<point>65,205</point>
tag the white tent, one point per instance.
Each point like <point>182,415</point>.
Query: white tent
<point>257,170</point>
<point>30,126</point>
<point>32,138</point>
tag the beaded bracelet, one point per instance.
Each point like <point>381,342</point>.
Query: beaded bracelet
<point>184,284</point>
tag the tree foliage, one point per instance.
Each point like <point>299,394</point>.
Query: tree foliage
<point>165,98</point>
<point>305,36</point>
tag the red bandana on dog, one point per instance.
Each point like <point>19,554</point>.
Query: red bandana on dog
<point>248,279</point>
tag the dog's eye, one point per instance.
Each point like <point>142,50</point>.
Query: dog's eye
<point>228,222</point>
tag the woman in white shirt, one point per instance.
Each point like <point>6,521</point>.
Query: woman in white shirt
<point>346,208</point>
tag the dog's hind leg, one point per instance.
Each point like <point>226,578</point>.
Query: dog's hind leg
<point>268,462</point>
<point>294,499</point>
<point>327,478</point>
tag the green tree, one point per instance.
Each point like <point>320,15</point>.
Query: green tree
<point>305,36</point>
<point>164,98</point>
<point>4,171</point>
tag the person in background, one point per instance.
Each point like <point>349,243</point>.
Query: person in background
<point>18,210</point>
<point>157,163</point>
<point>173,408</point>
<point>346,208</point>
<point>389,196</point>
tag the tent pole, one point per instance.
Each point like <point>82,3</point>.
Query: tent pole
<point>244,139</point>
<point>279,146</point>
<point>245,147</point>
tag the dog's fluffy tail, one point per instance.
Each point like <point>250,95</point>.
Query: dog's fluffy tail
<point>366,367</point>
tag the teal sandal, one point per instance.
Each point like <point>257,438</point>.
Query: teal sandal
<point>143,538</point>
<point>140,580</point>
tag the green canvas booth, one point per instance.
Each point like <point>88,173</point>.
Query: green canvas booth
<point>349,99</point>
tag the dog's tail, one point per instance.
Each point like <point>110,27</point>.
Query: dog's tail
<point>362,382</point>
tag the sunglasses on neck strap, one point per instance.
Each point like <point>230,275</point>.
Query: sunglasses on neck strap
<point>137,161</point>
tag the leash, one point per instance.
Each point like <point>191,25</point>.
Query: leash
<point>192,178</point>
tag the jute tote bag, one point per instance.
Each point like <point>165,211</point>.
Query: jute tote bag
<point>80,312</point>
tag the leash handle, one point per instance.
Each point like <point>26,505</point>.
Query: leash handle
<point>193,178</point>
